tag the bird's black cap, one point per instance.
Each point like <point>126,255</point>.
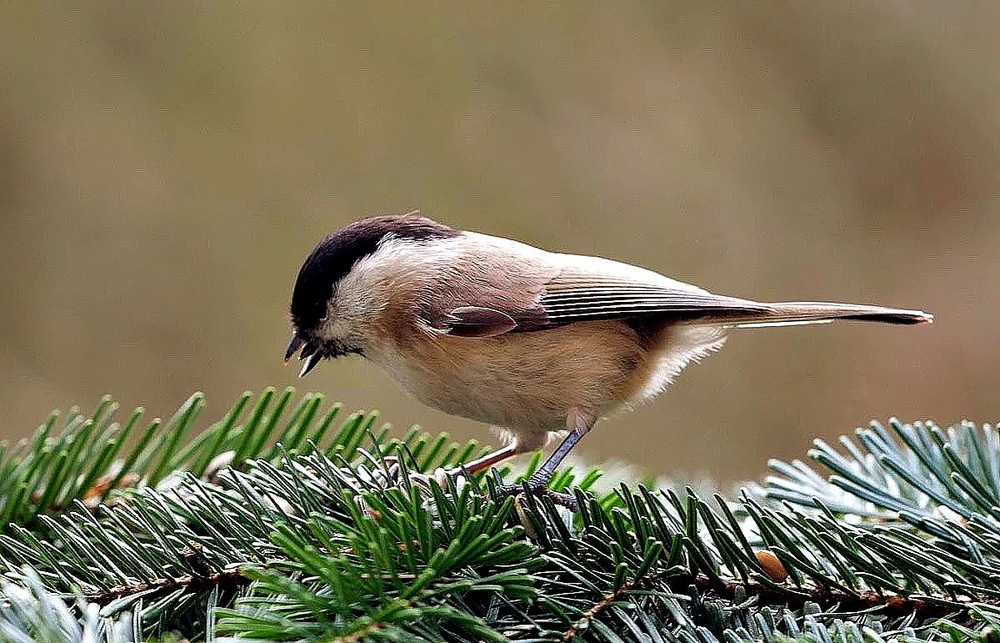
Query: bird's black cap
<point>334,257</point>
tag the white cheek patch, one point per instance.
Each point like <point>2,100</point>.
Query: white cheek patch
<point>366,290</point>
<point>349,313</point>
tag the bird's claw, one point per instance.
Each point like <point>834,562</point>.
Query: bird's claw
<point>538,486</point>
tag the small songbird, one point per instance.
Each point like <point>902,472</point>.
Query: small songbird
<point>504,333</point>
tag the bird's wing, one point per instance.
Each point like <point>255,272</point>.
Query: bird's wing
<point>565,289</point>
<point>486,286</point>
<point>589,288</point>
<point>594,300</point>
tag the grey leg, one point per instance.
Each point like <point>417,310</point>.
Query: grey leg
<point>579,423</point>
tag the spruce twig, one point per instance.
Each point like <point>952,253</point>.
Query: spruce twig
<point>273,524</point>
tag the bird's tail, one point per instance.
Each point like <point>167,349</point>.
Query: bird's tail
<point>818,312</point>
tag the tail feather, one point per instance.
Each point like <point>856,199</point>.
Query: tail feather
<point>811,312</point>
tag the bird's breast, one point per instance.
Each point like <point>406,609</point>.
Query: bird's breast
<point>527,381</point>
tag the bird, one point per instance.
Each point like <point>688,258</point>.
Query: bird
<point>532,342</point>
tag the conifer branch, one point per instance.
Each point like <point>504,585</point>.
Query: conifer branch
<point>272,523</point>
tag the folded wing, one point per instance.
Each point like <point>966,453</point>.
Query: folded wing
<point>591,289</point>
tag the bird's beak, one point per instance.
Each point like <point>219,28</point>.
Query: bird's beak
<point>310,363</point>
<point>293,347</point>
<point>310,353</point>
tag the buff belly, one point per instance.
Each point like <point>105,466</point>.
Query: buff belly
<point>528,383</point>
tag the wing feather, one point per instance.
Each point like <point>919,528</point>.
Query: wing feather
<point>536,290</point>
<point>611,290</point>
<point>520,289</point>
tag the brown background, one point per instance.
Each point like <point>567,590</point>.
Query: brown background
<point>164,167</point>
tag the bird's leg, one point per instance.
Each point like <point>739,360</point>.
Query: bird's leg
<point>487,461</point>
<point>578,422</point>
<point>469,468</point>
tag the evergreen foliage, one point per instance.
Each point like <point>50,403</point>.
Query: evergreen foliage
<point>281,522</point>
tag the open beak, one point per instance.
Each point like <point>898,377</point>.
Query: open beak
<point>293,347</point>
<point>310,363</point>
<point>310,353</point>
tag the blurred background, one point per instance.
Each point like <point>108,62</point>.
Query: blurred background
<point>165,167</point>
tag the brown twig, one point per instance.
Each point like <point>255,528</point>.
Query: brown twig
<point>603,604</point>
<point>866,600</point>
<point>889,603</point>
<point>226,579</point>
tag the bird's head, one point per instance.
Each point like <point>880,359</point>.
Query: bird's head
<point>334,301</point>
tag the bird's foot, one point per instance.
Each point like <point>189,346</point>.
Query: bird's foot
<point>538,486</point>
